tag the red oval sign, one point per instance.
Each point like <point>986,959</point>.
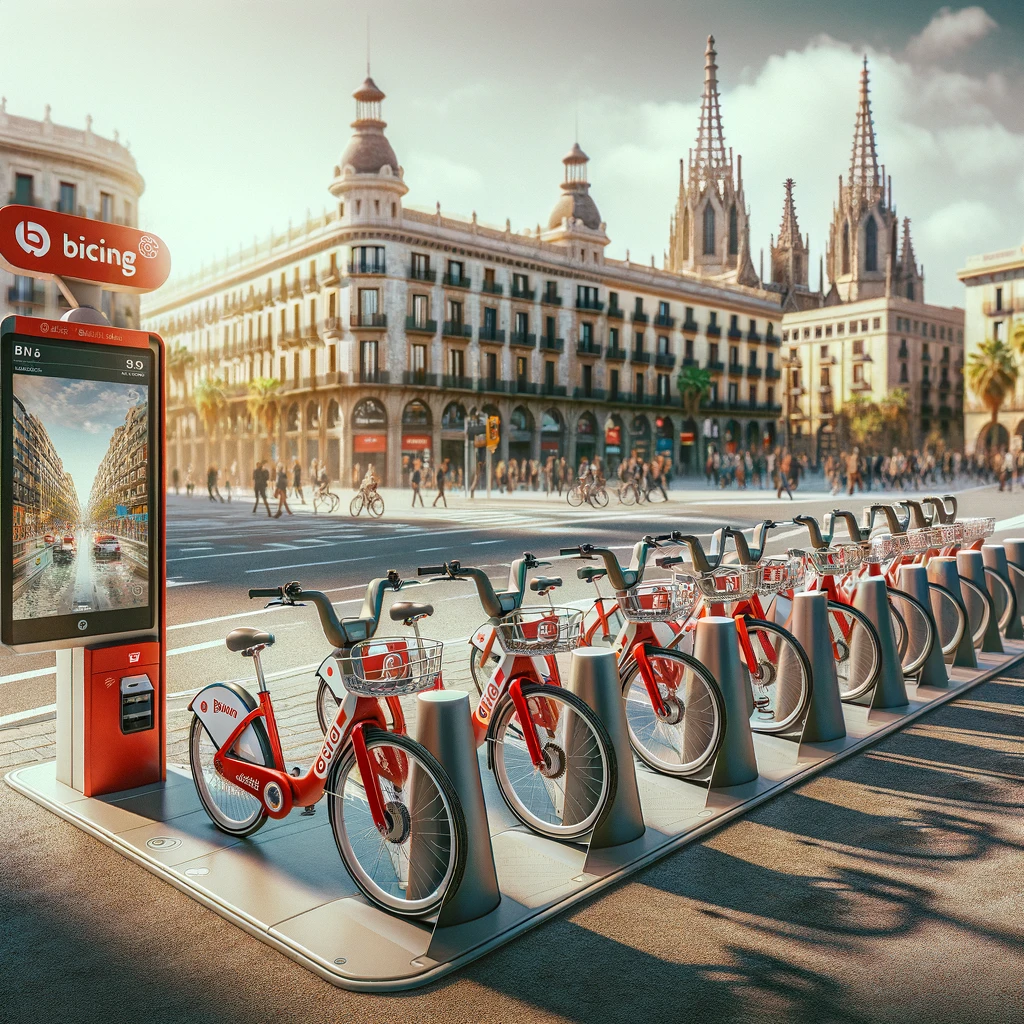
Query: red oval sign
<point>38,242</point>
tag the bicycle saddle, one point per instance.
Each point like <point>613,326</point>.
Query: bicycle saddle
<point>245,637</point>
<point>542,584</point>
<point>591,573</point>
<point>410,612</point>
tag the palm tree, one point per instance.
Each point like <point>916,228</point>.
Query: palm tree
<point>263,405</point>
<point>179,361</point>
<point>992,374</point>
<point>694,383</point>
<point>210,402</point>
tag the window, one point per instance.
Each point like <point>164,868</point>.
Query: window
<point>945,353</point>
<point>864,324</point>
<point>454,311</point>
<point>925,372</point>
<point>520,284</point>
<point>332,305</point>
<point>586,297</point>
<point>853,326</point>
<point>550,290</point>
<point>456,271</point>
<point>771,361</point>
<point>419,359</point>
<point>420,266</point>
<point>549,327</point>
<point>824,351</point>
<point>663,387</point>
<point>785,335</point>
<point>713,352</point>
<point>734,323</point>
<point>332,358</point>
<point>713,397</point>
<point>752,395</point>
<point>368,259</point>
<point>828,330</point>
<point>587,379</point>
<point>846,248</point>
<point>613,338</point>
<point>368,357</point>
<point>999,298</point>
<point>689,314</point>
<point>903,373</point>
<point>586,334</point>
<point>734,355</point>
<point>688,348</point>
<point>638,341</point>
<point>858,347</point>
<point>770,395</point>
<point>840,328</point>
<point>488,279</point>
<point>910,290</point>
<point>613,300</point>
<point>639,383</point>
<point>521,369</point>
<point>933,330</point>
<point>420,310</point>
<point>871,245</point>
<point>817,331</point>
<point>663,345</point>
<point>106,206</point>
<point>709,230</point>
<point>522,323</point>
<point>663,309</point>
<point>24,188</point>
<point>712,319</point>
<point>807,332</point>
<point>549,374</point>
<point>826,376</point>
<point>734,393</point>
<point>613,383</point>
<point>491,364</point>
<point>367,305</point>
<point>997,330</point>
<point>456,362</point>
<point>490,321</point>
<point>858,373</point>
<point>752,357</point>
<point>734,231</point>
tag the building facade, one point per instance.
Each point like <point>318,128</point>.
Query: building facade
<point>994,308</point>
<point>385,326</point>
<point>871,332</point>
<point>73,171</point>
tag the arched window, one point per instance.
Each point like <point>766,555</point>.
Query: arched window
<point>910,290</point>
<point>709,230</point>
<point>871,245</point>
<point>734,231</point>
<point>846,247</point>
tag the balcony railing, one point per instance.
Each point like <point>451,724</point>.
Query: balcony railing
<point>456,329</point>
<point>373,377</point>
<point>523,293</point>
<point>456,282</point>
<point>551,298</point>
<point>945,411</point>
<point>664,320</point>
<point>665,359</point>
<point>715,365</point>
<point>614,313</point>
<point>713,331</point>
<point>521,339</point>
<point>639,317</point>
<point>691,361</point>
<point>753,371</point>
<point>491,287</point>
<point>450,380</point>
<point>491,384</point>
<point>554,390</point>
<point>926,410</point>
<point>293,337</point>
<point>30,201</point>
<point>332,277</point>
<point>753,336</point>
<point>772,373</point>
<point>524,387</point>
<point>369,320</point>
<point>593,394</point>
<point>771,338</point>
<point>587,348</point>
<point>549,344</point>
<point>422,274</point>
<point>639,356</point>
<point>367,267</point>
<point>333,327</point>
<point>19,295</point>
<point>615,355</point>
<point>421,325</point>
<point>419,378</point>
<point>594,305</point>
<point>734,333</point>
<point>691,326</point>
<point>494,334</point>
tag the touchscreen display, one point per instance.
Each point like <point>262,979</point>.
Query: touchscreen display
<point>80,543</point>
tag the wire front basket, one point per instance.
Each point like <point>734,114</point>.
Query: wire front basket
<point>392,666</point>
<point>886,546</point>
<point>729,582</point>
<point>977,528</point>
<point>928,538</point>
<point>786,572</point>
<point>838,559</point>
<point>659,602</point>
<point>538,631</point>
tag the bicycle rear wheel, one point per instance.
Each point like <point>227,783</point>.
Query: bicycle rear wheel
<point>950,618</point>
<point>409,868</point>
<point>918,631</point>
<point>375,506</point>
<point>979,609</point>
<point>568,795</point>
<point>598,498</point>
<point>355,506</point>
<point>684,741</point>
<point>627,495</point>
<point>335,502</point>
<point>782,682</point>
<point>318,502</point>
<point>232,809</point>
<point>856,649</point>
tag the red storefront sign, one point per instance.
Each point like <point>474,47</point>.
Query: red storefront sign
<point>687,437</point>
<point>370,443</point>
<point>37,243</point>
<point>415,442</point>
<point>613,435</point>
<point>549,446</point>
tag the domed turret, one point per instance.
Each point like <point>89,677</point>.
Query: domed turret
<point>576,201</point>
<point>369,151</point>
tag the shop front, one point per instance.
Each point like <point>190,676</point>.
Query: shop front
<point>369,440</point>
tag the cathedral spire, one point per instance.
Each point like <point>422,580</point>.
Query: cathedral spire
<point>907,257</point>
<point>709,161</point>
<point>789,232</point>
<point>863,158</point>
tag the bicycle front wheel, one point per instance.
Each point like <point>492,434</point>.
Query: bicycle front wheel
<point>574,496</point>
<point>685,739</point>
<point>598,498</point>
<point>856,649</point>
<point>318,502</point>
<point>782,680</point>
<point>950,618</point>
<point>375,506</point>
<point>355,506</point>
<point>408,868</point>
<point>566,796</point>
<point>918,631</point>
<point>627,495</point>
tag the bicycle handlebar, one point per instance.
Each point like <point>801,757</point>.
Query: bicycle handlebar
<point>432,570</point>
<point>271,593</point>
<point>495,604</point>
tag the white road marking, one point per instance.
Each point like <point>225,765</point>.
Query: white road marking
<point>186,583</point>
<point>303,565</point>
<point>34,673</point>
<point>19,716</point>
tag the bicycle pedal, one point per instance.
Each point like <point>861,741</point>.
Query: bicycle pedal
<point>308,812</point>
<point>295,771</point>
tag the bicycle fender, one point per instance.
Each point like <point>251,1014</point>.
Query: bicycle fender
<point>480,636</point>
<point>220,707</point>
<point>329,673</point>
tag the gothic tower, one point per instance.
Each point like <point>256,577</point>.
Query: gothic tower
<point>861,256</point>
<point>789,254</point>
<point>709,233</point>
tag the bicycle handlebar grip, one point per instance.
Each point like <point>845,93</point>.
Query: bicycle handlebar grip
<point>570,551</point>
<point>430,570</point>
<point>270,592</point>
<point>669,560</point>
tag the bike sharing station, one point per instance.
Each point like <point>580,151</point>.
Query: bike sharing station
<point>286,884</point>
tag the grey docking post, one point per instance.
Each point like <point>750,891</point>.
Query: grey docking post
<point>914,581</point>
<point>971,566</point>
<point>871,598</point>
<point>824,720</point>
<point>994,557</point>
<point>943,572</point>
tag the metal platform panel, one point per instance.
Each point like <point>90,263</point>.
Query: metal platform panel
<point>287,886</point>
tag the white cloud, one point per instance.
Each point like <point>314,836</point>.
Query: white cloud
<point>949,31</point>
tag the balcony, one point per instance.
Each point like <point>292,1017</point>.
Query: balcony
<point>554,390</point>
<point>664,320</point>
<point>926,357</point>
<point>310,284</point>
<point>524,387</point>
<point>332,277</point>
<point>450,380</point>
<point>860,385</point>
<point>451,281</point>
<point>861,357</point>
<point>639,356</point>
<point>736,369</point>
<point>587,348</point>
<point>903,353</point>
<point>945,412</point>
<point>713,331</point>
<point>771,338</point>
<point>491,384</point>
<point>456,329</point>
<point>332,327</point>
<point>926,409</point>
<point>369,321</point>
<point>690,326</point>
<point>420,325</point>
<point>715,365</point>
<point>734,333</point>
<point>943,385</point>
<point>26,201</point>
<point>19,295</point>
<point>594,305</point>
<point>593,394</point>
<point>366,267</point>
<point>520,339</point>
<point>491,287</point>
<point>772,373</point>
<point>639,317</point>
<point>615,354</point>
<point>296,336</point>
<point>665,359</point>
<point>549,344</point>
<point>373,377</point>
<point>754,336</point>
<point>419,378</point>
<point>690,361</point>
<point>524,293</point>
<point>614,313</point>
<point>422,274</point>
<point>495,335</point>
<point>551,298</point>
<point>754,372</point>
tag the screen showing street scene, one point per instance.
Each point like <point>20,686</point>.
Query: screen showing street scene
<point>80,487</point>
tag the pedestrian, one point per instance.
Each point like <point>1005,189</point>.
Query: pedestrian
<point>281,491</point>
<point>442,472</point>
<point>175,479</point>
<point>227,485</point>
<point>785,482</point>
<point>260,479</point>
<point>415,480</point>
<point>297,482</point>
<point>1006,471</point>
<point>357,475</point>
<point>190,485</point>
<point>211,485</point>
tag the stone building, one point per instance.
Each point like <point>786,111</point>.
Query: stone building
<point>994,311</point>
<point>73,171</point>
<point>385,326</point>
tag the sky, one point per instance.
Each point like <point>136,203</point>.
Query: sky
<point>80,416</point>
<point>238,111</point>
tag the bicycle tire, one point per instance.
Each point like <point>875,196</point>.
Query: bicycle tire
<point>627,495</point>
<point>375,506</point>
<point>318,500</point>
<point>786,680</point>
<point>598,498</point>
<point>574,496</point>
<point>683,752</point>
<point>442,863</point>
<point>858,659</point>
<point>204,773</point>
<point>588,744</point>
<point>335,502</point>
<point>919,630</point>
<point>949,616</point>
<point>355,506</point>
<point>1005,606</point>
<point>477,671</point>
<point>978,606</point>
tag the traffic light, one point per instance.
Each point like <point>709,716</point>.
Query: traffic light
<point>493,432</point>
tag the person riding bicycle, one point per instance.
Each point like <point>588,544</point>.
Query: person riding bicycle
<point>324,481</point>
<point>370,482</point>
